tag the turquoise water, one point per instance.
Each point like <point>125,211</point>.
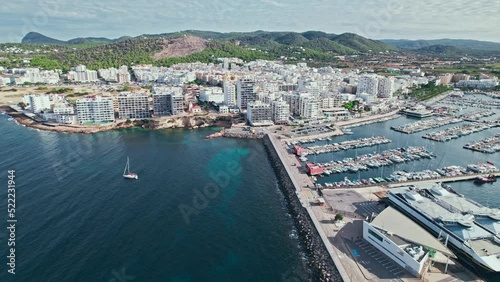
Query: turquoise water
<point>202,210</point>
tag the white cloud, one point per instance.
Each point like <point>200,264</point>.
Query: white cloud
<point>376,18</point>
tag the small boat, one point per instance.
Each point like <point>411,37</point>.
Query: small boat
<point>485,179</point>
<point>126,172</point>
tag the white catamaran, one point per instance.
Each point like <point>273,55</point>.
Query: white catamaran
<point>126,172</point>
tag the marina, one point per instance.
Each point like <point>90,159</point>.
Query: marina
<point>345,145</point>
<point>475,116</point>
<point>458,131</point>
<point>370,161</point>
<point>489,145</point>
<point>445,174</point>
<point>418,126</point>
<point>474,102</point>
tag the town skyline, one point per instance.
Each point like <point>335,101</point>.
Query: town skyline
<point>375,20</point>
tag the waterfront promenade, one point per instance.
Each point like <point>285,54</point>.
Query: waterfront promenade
<point>300,181</point>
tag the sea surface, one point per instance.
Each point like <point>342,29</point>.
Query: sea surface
<point>202,210</point>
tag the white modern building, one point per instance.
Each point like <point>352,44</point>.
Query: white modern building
<point>309,107</point>
<point>246,93</point>
<point>133,105</point>
<point>403,241</point>
<point>386,87</point>
<point>82,74</point>
<point>38,103</point>
<point>280,112</point>
<point>259,114</point>
<point>95,109</point>
<point>121,75</point>
<point>229,93</point>
<point>478,84</point>
<point>63,109</point>
<point>167,103</point>
<point>212,94</point>
<point>368,84</point>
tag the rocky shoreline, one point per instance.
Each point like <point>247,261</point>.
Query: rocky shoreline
<point>189,122</point>
<point>319,259</point>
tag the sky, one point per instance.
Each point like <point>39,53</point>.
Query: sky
<point>376,19</point>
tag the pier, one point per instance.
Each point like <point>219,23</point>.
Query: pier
<point>488,145</point>
<point>459,131</point>
<point>385,158</point>
<point>325,259</point>
<point>346,145</point>
<point>426,124</point>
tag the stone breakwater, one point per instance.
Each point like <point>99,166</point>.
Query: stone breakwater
<point>319,259</point>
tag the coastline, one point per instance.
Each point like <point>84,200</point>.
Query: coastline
<point>189,122</point>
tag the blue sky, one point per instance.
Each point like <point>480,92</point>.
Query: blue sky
<point>378,19</point>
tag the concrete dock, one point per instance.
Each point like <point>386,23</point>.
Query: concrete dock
<point>340,239</point>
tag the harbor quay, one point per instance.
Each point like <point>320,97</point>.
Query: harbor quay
<point>489,145</point>
<point>325,259</point>
<point>340,253</point>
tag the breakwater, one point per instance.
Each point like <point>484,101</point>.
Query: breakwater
<point>320,260</point>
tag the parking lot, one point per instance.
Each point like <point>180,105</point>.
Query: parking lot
<point>376,262</point>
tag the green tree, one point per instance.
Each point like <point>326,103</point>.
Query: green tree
<point>339,217</point>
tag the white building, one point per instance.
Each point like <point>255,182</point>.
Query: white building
<point>309,107</point>
<point>280,112</point>
<point>82,74</point>
<point>223,109</point>
<point>368,84</point>
<point>386,87</point>
<point>403,241</point>
<point>259,114</point>
<point>133,105</point>
<point>95,109</point>
<point>212,94</point>
<point>245,88</point>
<point>38,103</point>
<point>478,84</point>
<point>63,109</point>
<point>167,102</point>
<point>229,93</point>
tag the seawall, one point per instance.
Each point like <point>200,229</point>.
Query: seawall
<point>320,260</point>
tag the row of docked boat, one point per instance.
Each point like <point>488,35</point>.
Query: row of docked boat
<point>403,176</point>
<point>473,116</point>
<point>458,131</point>
<point>369,161</point>
<point>489,145</point>
<point>346,145</point>
<point>425,124</point>
<point>475,102</point>
<point>369,122</point>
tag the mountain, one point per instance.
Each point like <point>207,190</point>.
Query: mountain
<point>327,45</point>
<point>37,38</point>
<point>360,43</point>
<point>343,44</point>
<point>458,43</point>
<point>291,39</point>
<point>315,47</point>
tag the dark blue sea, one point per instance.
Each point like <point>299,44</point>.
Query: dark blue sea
<point>202,210</point>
